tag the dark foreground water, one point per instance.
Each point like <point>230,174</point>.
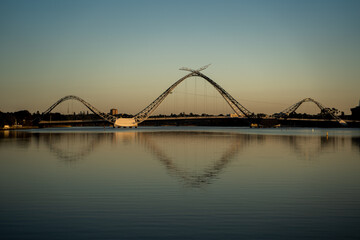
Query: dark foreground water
<point>180,183</point>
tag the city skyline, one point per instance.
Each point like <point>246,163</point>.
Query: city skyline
<point>123,55</point>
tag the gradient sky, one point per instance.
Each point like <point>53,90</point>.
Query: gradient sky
<point>123,54</point>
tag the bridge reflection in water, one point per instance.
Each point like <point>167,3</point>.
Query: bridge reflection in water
<point>179,183</point>
<point>194,158</point>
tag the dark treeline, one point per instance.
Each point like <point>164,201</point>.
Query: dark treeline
<point>25,118</point>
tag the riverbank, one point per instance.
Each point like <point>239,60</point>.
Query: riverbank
<point>18,128</point>
<point>210,122</point>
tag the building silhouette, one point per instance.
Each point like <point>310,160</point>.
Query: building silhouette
<point>355,112</point>
<point>113,111</point>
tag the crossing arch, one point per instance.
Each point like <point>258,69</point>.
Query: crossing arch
<point>239,109</point>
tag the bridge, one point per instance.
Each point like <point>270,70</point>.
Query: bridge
<point>144,114</point>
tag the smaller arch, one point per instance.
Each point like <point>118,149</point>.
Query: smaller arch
<point>109,118</point>
<point>286,112</point>
<point>294,107</point>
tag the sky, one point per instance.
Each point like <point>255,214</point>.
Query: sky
<point>123,54</point>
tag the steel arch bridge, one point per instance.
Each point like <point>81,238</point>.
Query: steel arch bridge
<point>239,109</point>
<point>286,112</point>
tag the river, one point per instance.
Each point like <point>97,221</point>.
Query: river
<point>180,183</point>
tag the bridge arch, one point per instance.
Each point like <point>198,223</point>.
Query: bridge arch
<point>147,111</point>
<point>295,106</point>
<point>235,105</point>
<point>106,117</point>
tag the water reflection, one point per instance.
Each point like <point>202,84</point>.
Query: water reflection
<point>356,143</point>
<point>130,184</point>
<point>194,158</point>
<point>309,148</point>
<point>197,178</point>
<point>72,147</point>
<point>20,139</point>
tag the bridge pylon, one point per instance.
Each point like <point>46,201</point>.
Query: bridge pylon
<point>125,122</point>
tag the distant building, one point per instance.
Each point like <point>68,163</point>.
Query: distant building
<point>355,112</point>
<point>113,111</point>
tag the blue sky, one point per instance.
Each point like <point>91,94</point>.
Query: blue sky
<point>123,54</point>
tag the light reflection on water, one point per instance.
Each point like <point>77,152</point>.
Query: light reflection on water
<point>182,183</point>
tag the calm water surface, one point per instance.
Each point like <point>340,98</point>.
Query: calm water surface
<point>180,183</point>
